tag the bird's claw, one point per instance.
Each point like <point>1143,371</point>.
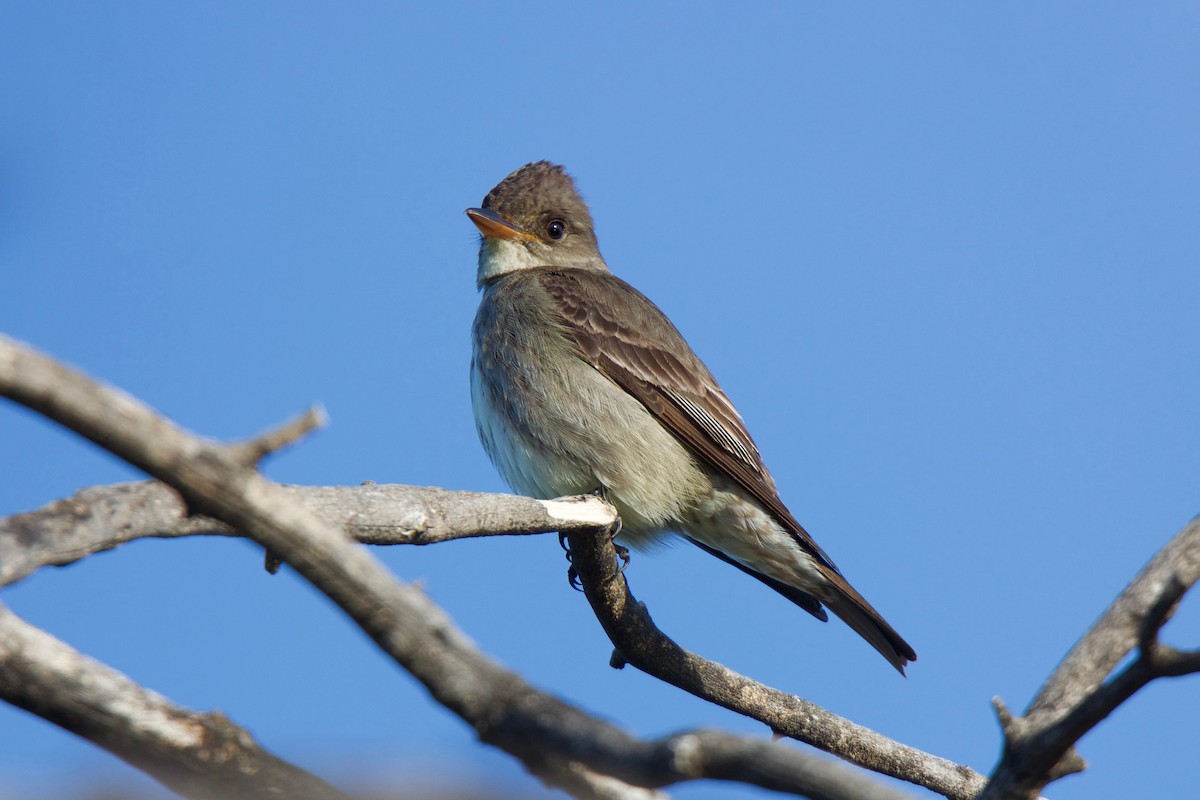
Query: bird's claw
<point>623,555</point>
<point>622,551</point>
<point>616,529</point>
<point>572,573</point>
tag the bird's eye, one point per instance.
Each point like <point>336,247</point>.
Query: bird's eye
<point>556,229</point>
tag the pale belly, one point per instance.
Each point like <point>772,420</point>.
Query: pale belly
<point>580,432</point>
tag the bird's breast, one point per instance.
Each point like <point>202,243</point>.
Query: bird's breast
<point>554,425</point>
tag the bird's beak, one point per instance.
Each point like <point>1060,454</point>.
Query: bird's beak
<point>492,225</point>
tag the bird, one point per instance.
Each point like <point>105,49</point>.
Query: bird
<point>581,384</point>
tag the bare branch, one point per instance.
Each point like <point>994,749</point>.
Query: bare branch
<point>203,756</point>
<point>581,781</point>
<point>276,439</point>
<point>542,731</point>
<point>102,517</point>
<point>1171,663</point>
<point>1175,567</point>
<point>1039,746</point>
<point>640,643</point>
<point>770,765</point>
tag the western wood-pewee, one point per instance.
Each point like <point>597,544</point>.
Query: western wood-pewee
<point>579,383</point>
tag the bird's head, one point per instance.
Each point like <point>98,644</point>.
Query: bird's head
<point>535,218</point>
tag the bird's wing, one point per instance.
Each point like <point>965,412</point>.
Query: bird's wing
<point>627,338</point>
<point>640,350</point>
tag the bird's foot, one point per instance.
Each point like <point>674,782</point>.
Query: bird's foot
<point>572,573</point>
<point>623,555</point>
<point>573,579</point>
<point>616,529</point>
<point>600,491</point>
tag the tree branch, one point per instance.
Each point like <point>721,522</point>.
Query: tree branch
<point>639,642</point>
<point>560,743</point>
<point>103,517</point>
<point>201,756</point>
<point>100,518</point>
<point>1039,746</point>
<point>543,732</point>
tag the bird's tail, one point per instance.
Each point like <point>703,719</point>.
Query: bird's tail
<point>843,600</point>
<point>854,610</point>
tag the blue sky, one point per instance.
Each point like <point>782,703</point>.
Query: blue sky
<point>943,257</point>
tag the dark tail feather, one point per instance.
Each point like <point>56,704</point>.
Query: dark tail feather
<point>850,606</point>
<point>855,611</point>
<point>803,599</point>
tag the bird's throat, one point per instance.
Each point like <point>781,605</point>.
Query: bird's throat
<point>499,257</point>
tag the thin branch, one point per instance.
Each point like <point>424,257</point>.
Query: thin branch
<point>202,756</point>
<point>103,517</point>
<point>1039,746</point>
<point>276,439</point>
<point>1171,663</point>
<point>1118,631</point>
<point>767,764</point>
<point>581,781</point>
<point>539,729</point>
<point>639,642</point>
